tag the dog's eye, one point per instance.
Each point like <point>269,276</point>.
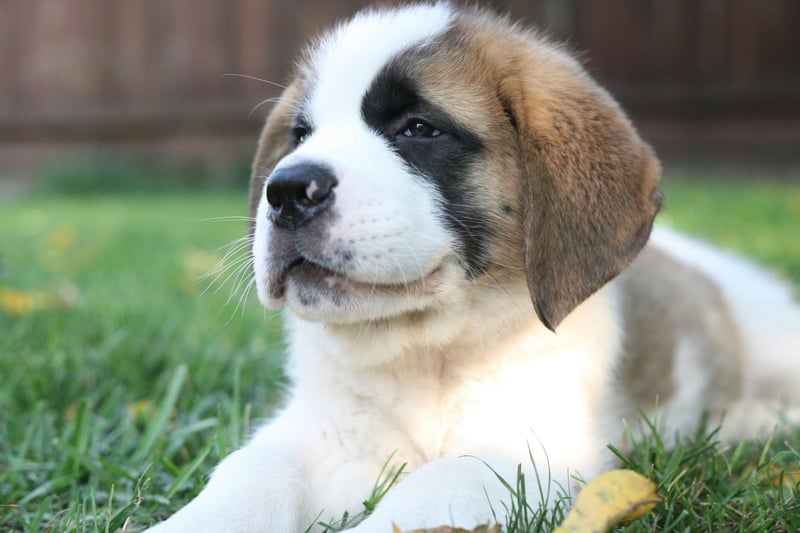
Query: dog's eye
<point>299,135</point>
<point>418,128</point>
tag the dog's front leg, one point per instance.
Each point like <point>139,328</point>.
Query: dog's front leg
<point>460,492</point>
<point>260,487</point>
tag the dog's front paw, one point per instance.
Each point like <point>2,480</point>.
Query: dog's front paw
<point>457,492</point>
<point>248,493</point>
<point>202,517</point>
<point>208,514</point>
<point>197,517</point>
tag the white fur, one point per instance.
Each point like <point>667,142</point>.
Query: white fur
<point>442,391</point>
<point>398,241</point>
<point>433,409</point>
<point>345,62</point>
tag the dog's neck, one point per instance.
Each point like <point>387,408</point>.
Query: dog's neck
<point>471,328</point>
<point>406,373</point>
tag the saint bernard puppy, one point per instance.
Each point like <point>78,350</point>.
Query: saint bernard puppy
<point>456,218</point>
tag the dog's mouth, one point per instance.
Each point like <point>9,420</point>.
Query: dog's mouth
<point>307,279</point>
<point>303,269</point>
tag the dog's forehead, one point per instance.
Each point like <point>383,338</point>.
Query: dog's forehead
<point>347,60</point>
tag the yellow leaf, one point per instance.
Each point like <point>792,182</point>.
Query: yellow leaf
<point>60,239</point>
<point>486,528</point>
<point>613,497</point>
<point>139,409</point>
<point>774,475</point>
<point>54,252</point>
<point>20,303</point>
<point>70,412</point>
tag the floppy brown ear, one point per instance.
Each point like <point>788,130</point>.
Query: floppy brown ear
<point>589,181</point>
<point>273,144</point>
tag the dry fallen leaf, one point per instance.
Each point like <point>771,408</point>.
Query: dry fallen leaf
<point>775,475</point>
<point>613,497</point>
<point>140,410</point>
<point>61,239</point>
<point>20,302</point>
<point>486,528</point>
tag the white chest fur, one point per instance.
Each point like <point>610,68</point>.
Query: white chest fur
<point>485,395</point>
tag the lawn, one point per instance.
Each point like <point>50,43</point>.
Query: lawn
<point>124,377</point>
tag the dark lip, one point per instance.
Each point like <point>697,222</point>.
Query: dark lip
<point>307,269</point>
<point>278,283</point>
<point>303,262</point>
<point>295,263</point>
<point>299,262</point>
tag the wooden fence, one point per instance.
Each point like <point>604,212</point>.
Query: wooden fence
<point>139,69</point>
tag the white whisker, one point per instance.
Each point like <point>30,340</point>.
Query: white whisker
<point>255,78</point>
<point>232,218</point>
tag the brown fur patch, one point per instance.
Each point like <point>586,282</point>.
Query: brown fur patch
<point>588,180</point>
<point>273,144</point>
<point>655,321</point>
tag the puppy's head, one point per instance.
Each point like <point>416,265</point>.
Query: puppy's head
<point>427,151</point>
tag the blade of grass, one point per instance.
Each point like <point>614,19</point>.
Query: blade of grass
<point>158,424</point>
<point>189,469</point>
<point>236,415</point>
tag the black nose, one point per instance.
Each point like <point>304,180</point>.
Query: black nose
<point>298,193</point>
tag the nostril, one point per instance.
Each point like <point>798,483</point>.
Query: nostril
<point>273,197</point>
<point>280,194</point>
<point>317,191</point>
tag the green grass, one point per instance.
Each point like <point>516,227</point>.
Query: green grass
<point>131,380</point>
<point>123,383</point>
<point>760,220</point>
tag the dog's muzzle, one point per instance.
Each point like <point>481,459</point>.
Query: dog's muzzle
<point>298,193</point>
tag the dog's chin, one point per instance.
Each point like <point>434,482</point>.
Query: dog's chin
<point>319,294</point>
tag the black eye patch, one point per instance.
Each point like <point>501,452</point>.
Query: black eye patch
<point>436,148</point>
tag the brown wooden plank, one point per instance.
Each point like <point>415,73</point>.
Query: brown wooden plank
<point>611,32</point>
<point>134,70</point>
<point>712,40</point>
<point>10,42</point>
<point>673,40</point>
<point>254,55</point>
<point>773,52</point>
<point>743,39</point>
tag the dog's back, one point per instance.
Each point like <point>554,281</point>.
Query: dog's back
<point>766,318</point>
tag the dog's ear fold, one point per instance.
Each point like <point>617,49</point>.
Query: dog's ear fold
<point>589,181</point>
<point>273,144</point>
